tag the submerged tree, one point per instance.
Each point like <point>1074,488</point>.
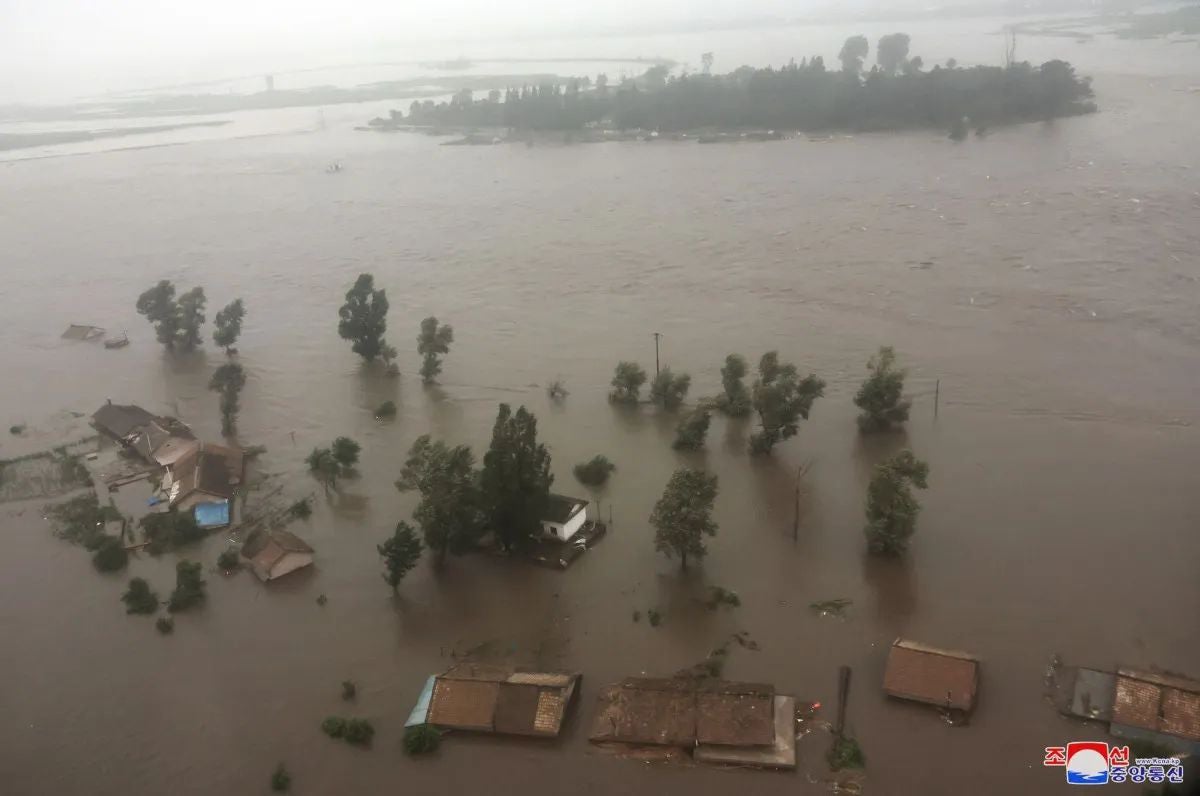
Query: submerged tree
<point>516,478</point>
<point>595,471</point>
<point>627,383</point>
<point>191,318</point>
<point>881,396</point>
<point>668,390</point>
<point>892,52</point>
<point>110,555</point>
<point>892,508</point>
<point>337,461</point>
<point>139,598</point>
<point>159,306</point>
<point>189,587</point>
<point>228,325</point>
<point>449,514</point>
<point>781,398</point>
<point>852,54</point>
<point>227,381</point>
<point>400,554</point>
<point>363,319</point>
<point>692,429</point>
<point>683,515</point>
<point>735,401</point>
<point>434,339</point>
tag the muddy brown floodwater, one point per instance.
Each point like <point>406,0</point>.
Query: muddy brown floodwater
<point>1047,275</point>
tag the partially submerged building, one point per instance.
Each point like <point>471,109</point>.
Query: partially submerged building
<point>564,517</point>
<point>158,440</point>
<point>497,699</point>
<point>718,721</point>
<point>1162,708</point>
<point>273,554</point>
<point>944,678</point>
<point>204,473</point>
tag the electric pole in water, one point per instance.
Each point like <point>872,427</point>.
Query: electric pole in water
<point>656,336</point>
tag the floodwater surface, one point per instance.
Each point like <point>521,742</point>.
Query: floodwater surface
<point>1045,274</point>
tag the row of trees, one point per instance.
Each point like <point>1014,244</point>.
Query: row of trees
<point>362,320</point>
<point>177,321</point>
<point>897,93</point>
<point>780,396</point>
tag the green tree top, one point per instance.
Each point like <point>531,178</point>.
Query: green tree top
<point>735,402</point>
<point>159,306</point>
<point>781,399</point>
<point>627,383</point>
<point>450,511</point>
<point>683,515</point>
<point>516,478</point>
<point>892,52</point>
<point>228,381</point>
<point>434,340</point>
<point>881,396</point>
<point>363,319</point>
<point>892,508</point>
<point>191,318</point>
<point>668,390</point>
<point>228,324</point>
<point>400,553</point>
<point>852,54</point>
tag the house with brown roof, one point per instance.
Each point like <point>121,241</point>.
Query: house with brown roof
<point>944,678</point>
<point>717,721</point>
<point>156,439</point>
<point>500,699</point>
<point>273,554</point>
<point>203,474</point>
<point>1157,707</point>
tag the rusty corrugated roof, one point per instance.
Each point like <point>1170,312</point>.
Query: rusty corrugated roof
<point>465,704</point>
<point>1136,703</point>
<point>664,717</point>
<point>926,674</point>
<point>735,719</point>
<point>1157,702</point>
<point>1181,713</point>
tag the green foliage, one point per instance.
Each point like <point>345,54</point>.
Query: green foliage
<point>110,555</point>
<point>692,429</point>
<point>516,478</point>
<point>189,587</point>
<point>433,340</point>
<point>881,396</point>
<point>800,95</point>
<point>353,731</point>
<point>422,739</point>
<point>363,319</point>
<point>386,410</point>
<point>229,560</point>
<point>301,509</point>
<point>165,625</point>
<point>170,530</point>
<point>228,324</point>
<point>349,690</point>
<point>227,381</point>
<point>159,306</point>
<point>654,617</point>
<point>852,54</point>
<point>17,429</point>
<point>400,554</point>
<point>281,780</point>
<point>892,52</point>
<point>321,600</point>
<point>845,753</point>
<point>139,598</point>
<point>450,511</point>
<point>683,515</point>
<point>595,471</point>
<point>735,401</point>
<point>781,398</point>
<point>81,519</point>
<point>668,390</point>
<point>334,727</point>
<point>191,318</point>
<point>719,596</point>
<point>627,383</point>
<point>337,461</point>
<point>892,508</point>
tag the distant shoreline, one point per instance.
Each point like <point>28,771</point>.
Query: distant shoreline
<point>11,141</point>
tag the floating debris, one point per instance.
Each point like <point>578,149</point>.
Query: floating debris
<point>835,607</point>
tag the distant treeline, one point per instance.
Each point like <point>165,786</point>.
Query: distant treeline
<point>800,96</point>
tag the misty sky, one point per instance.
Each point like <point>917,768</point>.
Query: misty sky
<point>56,49</point>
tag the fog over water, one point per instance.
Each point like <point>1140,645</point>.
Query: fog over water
<point>1045,274</point>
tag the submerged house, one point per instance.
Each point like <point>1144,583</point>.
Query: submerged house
<point>273,554</point>
<point>156,439</point>
<point>717,721</point>
<point>563,517</point>
<point>944,678</point>
<point>204,473</point>
<point>497,699</point>
<point>1149,706</point>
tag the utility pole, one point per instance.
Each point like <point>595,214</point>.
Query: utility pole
<point>656,336</point>
<point>937,395</point>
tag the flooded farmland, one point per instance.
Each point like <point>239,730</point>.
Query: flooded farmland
<point>1045,275</point>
